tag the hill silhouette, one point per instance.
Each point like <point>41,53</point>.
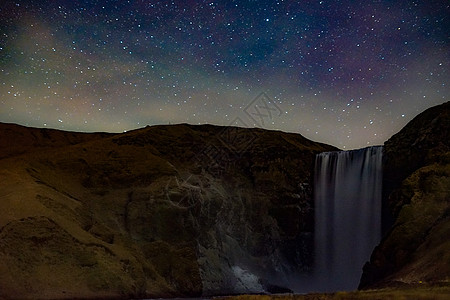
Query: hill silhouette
<point>167,211</point>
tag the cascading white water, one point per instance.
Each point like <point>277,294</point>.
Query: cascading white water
<point>347,215</point>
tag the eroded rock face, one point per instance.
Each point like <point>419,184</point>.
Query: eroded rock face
<point>417,191</point>
<point>162,211</point>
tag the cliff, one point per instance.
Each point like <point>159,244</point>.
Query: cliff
<point>416,249</point>
<point>164,211</point>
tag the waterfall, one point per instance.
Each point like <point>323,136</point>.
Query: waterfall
<point>347,215</point>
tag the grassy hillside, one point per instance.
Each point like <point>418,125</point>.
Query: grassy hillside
<point>163,211</point>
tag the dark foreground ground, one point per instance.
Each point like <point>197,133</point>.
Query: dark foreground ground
<point>425,292</point>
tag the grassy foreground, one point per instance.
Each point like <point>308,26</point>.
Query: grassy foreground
<point>441,292</point>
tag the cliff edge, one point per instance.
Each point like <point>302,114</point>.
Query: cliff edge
<point>164,211</point>
<point>416,249</point>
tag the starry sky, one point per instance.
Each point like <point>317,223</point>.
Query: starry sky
<point>347,73</point>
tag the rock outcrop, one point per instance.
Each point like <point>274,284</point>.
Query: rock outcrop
<point>162,211</point>
<point>416,249</point>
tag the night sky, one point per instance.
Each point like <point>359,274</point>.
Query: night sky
<point>347,73</point>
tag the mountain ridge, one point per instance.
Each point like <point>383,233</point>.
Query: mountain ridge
<point>416,195</point>
<point>163,211</point>
<point>188,210</point>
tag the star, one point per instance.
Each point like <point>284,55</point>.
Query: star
<point>144,60</point>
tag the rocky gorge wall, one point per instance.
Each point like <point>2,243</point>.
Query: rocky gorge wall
<point>163,211</point>
<point>182,210</point>
<point>416,194</point>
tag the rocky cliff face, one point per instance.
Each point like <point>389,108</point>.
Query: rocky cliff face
<point>416,249</point>
<point>163,211</point>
